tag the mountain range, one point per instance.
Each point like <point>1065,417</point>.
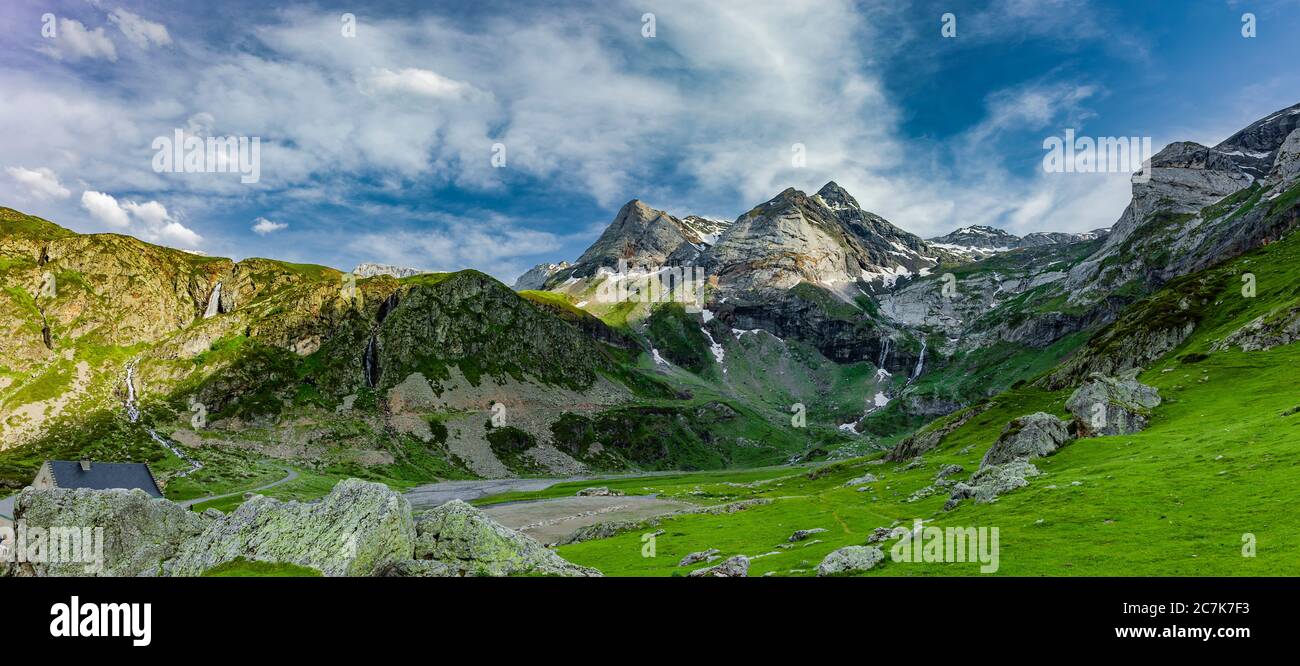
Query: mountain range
<point>811,306</point>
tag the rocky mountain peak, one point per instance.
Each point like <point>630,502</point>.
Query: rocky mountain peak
<point>837,197</point>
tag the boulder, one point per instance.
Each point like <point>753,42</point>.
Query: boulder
<point>850,559</point>
<point>865,478</point>
<point>1112,405</point>
<point>356,530</point>
<point>698,556</point>
<point>463,541</point>
<point>600,491</point>
<point>985,485</point>
<point>800,535</point>
<point>732,567</point>
<point>139,531</point>
<point>1032,436</point>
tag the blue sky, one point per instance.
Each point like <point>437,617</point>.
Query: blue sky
<point>377,147</point>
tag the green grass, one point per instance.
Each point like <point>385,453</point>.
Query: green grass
<point>242,568</point>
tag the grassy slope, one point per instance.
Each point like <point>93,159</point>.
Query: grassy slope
<point>1217,462</point>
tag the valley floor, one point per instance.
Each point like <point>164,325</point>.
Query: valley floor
<point>1214,473</point>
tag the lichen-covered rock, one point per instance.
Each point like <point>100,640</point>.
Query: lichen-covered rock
<point>985,485</point>
<point>733,567</point>
<point>139,531</point>
<point>1038,434</point>
<point>356,530</point>
<point>850,559</point>
<point>469,543</point>
<point>1112,406</point>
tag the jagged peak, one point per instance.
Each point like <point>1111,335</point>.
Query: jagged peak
<point>836,196</point>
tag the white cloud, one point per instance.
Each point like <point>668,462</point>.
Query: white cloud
<point>139,31</point>
<point>264,226</point>
<point>103,207</point>
<point>421,82</point>
<point>152,221</point>
<point>75,42</point>
<point>41,182</point>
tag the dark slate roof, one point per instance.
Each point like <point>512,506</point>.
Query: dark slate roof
<point>102,476</point>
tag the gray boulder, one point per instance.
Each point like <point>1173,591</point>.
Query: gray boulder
<point>850,559</point>
<point>139,531</point>
<point>1032,436</point>
<point>462,541</point>
<point>732,567</point>
<point>356,530</point>
<point>949,470</point>
<point>1112,406</point>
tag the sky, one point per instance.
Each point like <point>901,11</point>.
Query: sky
<point>496,135</point>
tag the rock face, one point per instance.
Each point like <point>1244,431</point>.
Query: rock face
<point>356,530</point>
<point>140,531</point>
<point>733,567</point>
<point>1032,436</point>
<point>825,239</point>
<point>850,559</point>
<point>1112,406</point>
<point>457,539</point>
<point>368,269</point>
<point>536,277</point>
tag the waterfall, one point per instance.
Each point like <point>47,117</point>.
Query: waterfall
<point>214,302</point>
<point>884,354</point>
<point>920,363</point>
<point>370,363</point>
<point>132,412</point>
<point>133,415</point>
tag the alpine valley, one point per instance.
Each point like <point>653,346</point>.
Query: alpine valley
<point>1117,402</point>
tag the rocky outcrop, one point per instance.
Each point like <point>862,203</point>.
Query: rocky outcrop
<point>357,530</point>
<point>1112,406</point>
<point>457,539</point>
<point>1275,329</point>
<point>139,532</point>
<point>1036,435</point>
<point>850,559</point>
